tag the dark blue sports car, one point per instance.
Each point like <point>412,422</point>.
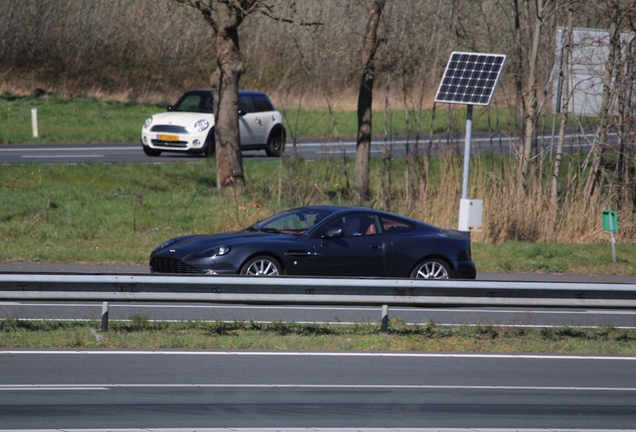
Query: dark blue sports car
<point>323,241</point>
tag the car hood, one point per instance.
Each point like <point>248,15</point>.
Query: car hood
<point>187,119</point>
<point>201,242</point>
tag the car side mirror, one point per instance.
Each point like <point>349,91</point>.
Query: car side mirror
<point>333,232</point>
<point>242,113</point>
<point>170,107</point>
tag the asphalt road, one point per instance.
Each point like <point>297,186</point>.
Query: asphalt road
<point>309,149</point>
<point>201,389</point>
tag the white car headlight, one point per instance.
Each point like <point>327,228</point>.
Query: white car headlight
<point>201,125</point>
<point>148,123</point>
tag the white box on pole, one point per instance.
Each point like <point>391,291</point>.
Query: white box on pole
<point>470,215</point>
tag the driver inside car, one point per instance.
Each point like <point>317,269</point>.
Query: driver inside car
<point>351,227</point>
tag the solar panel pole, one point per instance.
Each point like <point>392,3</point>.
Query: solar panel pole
<point>470,79</point>
<point>469,127</point>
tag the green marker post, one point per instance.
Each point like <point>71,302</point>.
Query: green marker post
<point>610,223</point>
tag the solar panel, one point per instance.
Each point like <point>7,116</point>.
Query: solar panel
<point>470,78</point>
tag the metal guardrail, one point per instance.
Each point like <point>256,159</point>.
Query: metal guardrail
<point>294,290</point>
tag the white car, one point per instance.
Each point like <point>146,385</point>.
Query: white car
<point>188,126</point>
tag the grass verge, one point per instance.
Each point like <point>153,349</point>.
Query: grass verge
<point>142,334</point>
<point>118,213</point>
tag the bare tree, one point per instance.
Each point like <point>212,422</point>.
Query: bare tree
<point>365,100</point>
<point>565,75</point>
<point>604,124</point>
<point>225,16</point>
<point>532,112</point>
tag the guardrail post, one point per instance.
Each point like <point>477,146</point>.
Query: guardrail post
<point>105,316</point>
<point>385,318</point>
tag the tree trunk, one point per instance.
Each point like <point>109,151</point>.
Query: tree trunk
<point>565,74</point>
<point>518,66</point>
<point>225,86</point>
<point>594,175</point>
<point>365,100</point>
<point>225,17</point>
<point>531,108</point>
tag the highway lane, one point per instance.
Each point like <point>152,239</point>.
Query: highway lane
<point>310,149</point>
<point>69,389</point>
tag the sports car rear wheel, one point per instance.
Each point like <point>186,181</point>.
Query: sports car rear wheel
<point>262,266</point>
<point>431,269</point>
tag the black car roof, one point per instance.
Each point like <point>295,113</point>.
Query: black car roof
<point>240,92</point>
<point>332,208</point>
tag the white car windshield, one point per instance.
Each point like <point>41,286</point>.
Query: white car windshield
<point>194,102</point>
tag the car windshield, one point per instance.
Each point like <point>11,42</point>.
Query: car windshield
<point>194,102</point>
<point>293,222</point>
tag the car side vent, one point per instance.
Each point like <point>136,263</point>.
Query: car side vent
<point>170,265</point>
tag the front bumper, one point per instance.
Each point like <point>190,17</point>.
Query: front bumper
<point>188,143</point>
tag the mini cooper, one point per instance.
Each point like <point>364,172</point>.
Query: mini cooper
<point>188,125</point>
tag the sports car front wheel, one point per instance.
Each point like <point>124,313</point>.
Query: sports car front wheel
<point>431,269</point>
<point>262,266</point>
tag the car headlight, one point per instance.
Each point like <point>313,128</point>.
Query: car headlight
<point>165,245</point>
<point>148,123</point>
<point>215,251</point>
<point>201,125</point>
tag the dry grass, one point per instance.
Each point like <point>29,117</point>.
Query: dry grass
<point>139,333</point>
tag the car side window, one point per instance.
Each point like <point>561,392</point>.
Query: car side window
<point>262,103</point>
<point>390,225</point>
<point>245,104</point>
<point>207,104</point>
<point>354,225</point>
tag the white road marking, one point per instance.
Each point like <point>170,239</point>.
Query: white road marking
<point>56,149</point>
<point>323,354</point>
<point>314,429</point>
<point>306,386</point>
<point>59,387</point>
<point>61,156</point>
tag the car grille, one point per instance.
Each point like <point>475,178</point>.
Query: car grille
<point>178,144</point>
<point>169,128</point>
<point>170,265</point>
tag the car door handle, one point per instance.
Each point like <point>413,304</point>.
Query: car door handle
<point>258,120</point>
<point>376,246</point>
<point>298,253</point>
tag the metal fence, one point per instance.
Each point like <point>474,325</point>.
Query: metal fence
<point>328,291</point>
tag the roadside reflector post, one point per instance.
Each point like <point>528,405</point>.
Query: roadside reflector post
<point>385,318</point>
<point>34,122</point>
<point>610,223</point>
<point>105,316</point>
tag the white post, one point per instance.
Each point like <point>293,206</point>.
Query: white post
<point>34,122</point>
<point>469,128</point>
<point>385,318</point>
<point>611,226</point>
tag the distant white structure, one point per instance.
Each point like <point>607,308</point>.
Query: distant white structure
<point>587,66</point>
